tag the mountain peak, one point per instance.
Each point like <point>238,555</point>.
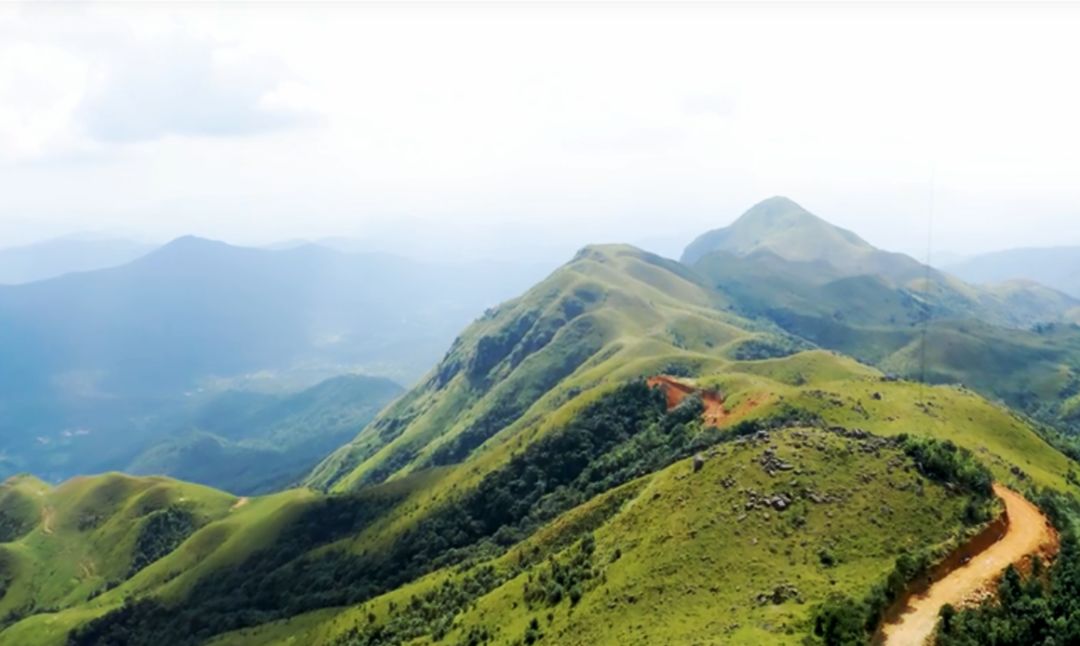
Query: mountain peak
<point>782,227</point>
<point>777,211</point>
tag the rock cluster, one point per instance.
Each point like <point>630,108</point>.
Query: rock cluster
<point>754,500</point>
<point>773,464</point>
<point>780,594</point>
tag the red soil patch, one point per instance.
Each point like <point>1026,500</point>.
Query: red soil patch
<point>676,391</point>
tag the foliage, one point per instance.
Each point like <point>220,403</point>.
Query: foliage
<point>551,476</point>
<point>432,612</point>
<point>162,531</point>
<point>945,462</point>
<point>563,578</point>
<point>840,621</point>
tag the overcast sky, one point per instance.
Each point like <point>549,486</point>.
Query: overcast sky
<point>458,129</point>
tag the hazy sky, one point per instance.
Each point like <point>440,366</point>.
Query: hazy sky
<point>470,128</point>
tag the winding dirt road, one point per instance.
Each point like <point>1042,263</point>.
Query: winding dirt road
<point>1027,532</point>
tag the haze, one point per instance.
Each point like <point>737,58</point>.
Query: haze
<point>469,130</point>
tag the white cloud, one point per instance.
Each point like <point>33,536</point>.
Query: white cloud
<point>72,83</point>
<point>40,90</point>
<point>183,86</point>
<point>571,124</point>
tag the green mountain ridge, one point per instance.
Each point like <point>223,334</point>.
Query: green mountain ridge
<point>534,489</point>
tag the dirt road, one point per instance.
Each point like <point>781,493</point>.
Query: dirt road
<point>1028,532</point>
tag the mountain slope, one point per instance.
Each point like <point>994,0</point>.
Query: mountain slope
<point>612,312</point>
<point>780,226</point>
<point>90,534</point>
<point>537,429</point>
<point>52,258</point>
<point>247,442</point>
<point>677,556</point>
<point>796,254</point>
<point>1013,341</point>
<point>1055,267</point>
<point>88,358</point>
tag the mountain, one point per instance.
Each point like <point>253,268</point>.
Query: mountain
<point>1015,341</point>
<point>248,442</point>
<point>87,359</point>
<point>611,313</point>
<point>778,238</point>
<point>627,452</point>
<point>60,256</point>
<point>535,474</point>
<point>1055,267</point>
<point>781,227</point>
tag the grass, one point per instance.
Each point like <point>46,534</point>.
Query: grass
<point>84,536</point>
<point>688,568</point>
<point>691,560</point>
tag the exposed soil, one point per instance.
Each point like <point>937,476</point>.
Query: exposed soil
<point>676,390</point>
<point>240,502</point>
<point>974,571</point>
<point>47,516</point>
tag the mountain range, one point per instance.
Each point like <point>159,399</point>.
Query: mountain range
<point>772,441</point>
<point>1055,267</point>
<point>69,254</point>
<point>96,366</point>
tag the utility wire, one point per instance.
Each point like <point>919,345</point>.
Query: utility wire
<point>927,313</point>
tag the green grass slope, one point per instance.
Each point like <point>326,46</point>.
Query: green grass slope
<point>679,556</point>
<point>90,534</point>
<point>533,488</point>
<point>612,312</point>
<point>990,340</point>
<point>455,553</point>
<point>685,549</point>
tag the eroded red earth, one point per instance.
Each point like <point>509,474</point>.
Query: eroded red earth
<point>677,390</point>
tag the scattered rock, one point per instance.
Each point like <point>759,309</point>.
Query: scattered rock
<point>778,595</point>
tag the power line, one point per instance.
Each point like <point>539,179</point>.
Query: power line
<point>927,314</point>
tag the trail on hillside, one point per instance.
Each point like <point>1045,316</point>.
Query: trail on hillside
<point>47,515</point>
<point>1027,531</point>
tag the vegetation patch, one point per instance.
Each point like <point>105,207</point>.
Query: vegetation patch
<point>162,532</point>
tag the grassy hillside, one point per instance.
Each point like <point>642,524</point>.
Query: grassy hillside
<point>988,339</point>
<point>780,226</point>
<point>433,535</point>
<point>612,313</point>
<point>684,556</point>
<point>65,545</point>
<point>534,489</point>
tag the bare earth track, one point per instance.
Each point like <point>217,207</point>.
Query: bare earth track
<point>1027,531</point>
<point>676,391</point>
